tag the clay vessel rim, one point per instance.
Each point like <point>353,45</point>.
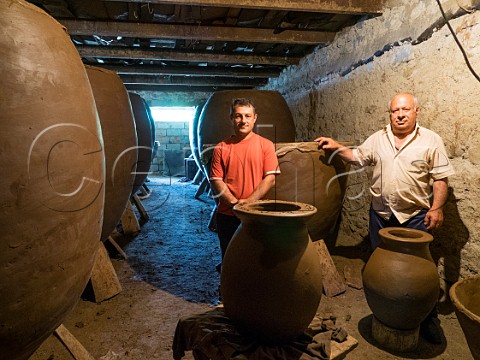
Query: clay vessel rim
<point>456,301</point>
<point>417,236</point>
<point>259,208</point>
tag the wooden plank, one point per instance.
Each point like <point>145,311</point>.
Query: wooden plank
<point>328,6</point>
<point>104,279</point>
<point>117,247</point>
<point>75,348</point>
<point>333,283</point>
<point>124,52</point>
<point>187,32</point>
<point>193,71</point>
<point>141,209</point>
<point>129,220</point>
<point>193,81</point>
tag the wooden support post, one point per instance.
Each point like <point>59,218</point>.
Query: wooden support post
<point>198,177</point>
<point>201,188</point>
<point>140,208</point>
<point>117,247</point>
<point>72,344</point>
<point>333,283</point>
<point>104,279</point>
<point>394,339</point>
<point>129,220</point>
<point>145,192</point>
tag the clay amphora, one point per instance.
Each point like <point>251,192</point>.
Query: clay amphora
<point>52,183</point>
<point>274,122</point>
<point>145,138</point>
<point>271,278</point>
<point>400,279</point>
<point>120,142</point>
<point>310,176</point>
<point>465,295</point>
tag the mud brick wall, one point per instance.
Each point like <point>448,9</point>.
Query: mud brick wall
<point>174,147</point>
<point>342,91</point>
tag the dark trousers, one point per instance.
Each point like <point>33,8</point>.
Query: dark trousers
<point>226,227</point>
<point>377,222</point>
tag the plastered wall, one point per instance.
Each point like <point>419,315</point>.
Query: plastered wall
<point>342,91</point>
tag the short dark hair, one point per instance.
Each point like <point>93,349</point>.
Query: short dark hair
<point>241,102</point>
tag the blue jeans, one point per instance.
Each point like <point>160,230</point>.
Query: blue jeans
<point>377,222</point>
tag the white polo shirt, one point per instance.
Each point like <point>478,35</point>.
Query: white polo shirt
<point>402,179</point>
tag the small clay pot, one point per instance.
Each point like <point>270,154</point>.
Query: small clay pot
<point>465,295</point>
<point>271,277</point>
<point>400,279</point>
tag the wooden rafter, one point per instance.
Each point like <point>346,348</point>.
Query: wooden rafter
<point>328,6</point>
<point>185,80</point>
<point>124,52</point>
<point>193,71</point>
<point>175,31</point>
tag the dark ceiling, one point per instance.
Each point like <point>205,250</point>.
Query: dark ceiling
<point>202,45</point>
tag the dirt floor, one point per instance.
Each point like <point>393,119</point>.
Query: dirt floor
<point>170,273</point>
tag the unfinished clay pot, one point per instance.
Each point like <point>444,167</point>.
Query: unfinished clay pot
<point>193,134</point>
<point>274,122</point>
<point>400,279</point>
<point>145,138</point>
<point>465,295</point>
<point>52,183</point>
<point>120,142</point>
<point>271,277</point>
<point>310,176</point>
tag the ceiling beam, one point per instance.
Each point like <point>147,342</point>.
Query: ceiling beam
<point>192,81</point>
<point>373,7</point>
<point>123,52</point>
<point>181,88</point>
<point>194,32</point>
<point>192,70</point>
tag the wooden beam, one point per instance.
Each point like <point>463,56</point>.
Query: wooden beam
<point>192,71</point>
<point>182,88</point>
<point>124,52</point>
<point>187,80</point>
<point>176,31</point>
<point>373,7</point>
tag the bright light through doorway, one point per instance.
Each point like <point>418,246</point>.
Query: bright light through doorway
<point>172,114</point>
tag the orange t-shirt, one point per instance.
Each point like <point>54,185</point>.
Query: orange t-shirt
<point>242,166</point>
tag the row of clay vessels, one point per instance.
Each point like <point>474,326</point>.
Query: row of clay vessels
<point>65,185</point>
<point>308,174</point>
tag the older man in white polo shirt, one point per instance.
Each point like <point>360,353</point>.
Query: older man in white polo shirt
<point>410,173</point>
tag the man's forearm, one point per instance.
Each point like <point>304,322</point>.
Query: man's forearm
<point>221,191</point>
<point>440,194</point>
<point>262,189</point>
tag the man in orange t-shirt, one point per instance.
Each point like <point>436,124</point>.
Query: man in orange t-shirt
<point>243,169</point>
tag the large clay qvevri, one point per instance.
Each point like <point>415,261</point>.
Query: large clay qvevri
<point>400,279</point>
<point>271,277</point>
<point>120,142</point>
<point>274,122</point>
<point>310,176</point>
<point>145,138</point>
<point>465,295</point>
<point>52,183</point>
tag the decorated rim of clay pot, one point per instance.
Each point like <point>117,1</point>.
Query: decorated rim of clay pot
<point>456,301</point>
<point>405,235</point>
<point>275,208</point>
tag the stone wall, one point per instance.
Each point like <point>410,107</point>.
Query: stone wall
<point>342,91</point>
<point>173,148</point>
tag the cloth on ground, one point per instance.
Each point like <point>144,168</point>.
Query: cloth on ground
<point>212,335</point>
